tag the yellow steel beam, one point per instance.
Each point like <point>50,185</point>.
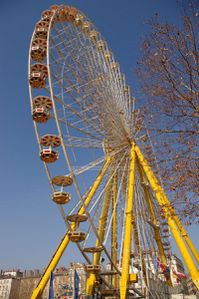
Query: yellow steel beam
<point>124,279</point>
<point>186,238</point>
<point>114,231</point>
<point>101,231</point>
<point>184,252</point>
<point>37,293</point>
<point>172,219</point>
<point>153,217</point>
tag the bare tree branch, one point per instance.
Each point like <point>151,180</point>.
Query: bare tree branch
<point>168,71</point>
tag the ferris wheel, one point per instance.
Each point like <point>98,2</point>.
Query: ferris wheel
<point>89,136</point>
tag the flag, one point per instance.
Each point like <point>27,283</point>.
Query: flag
<point>102,260</point>
<point>161,265</point>
<point>76,285</point>
<point>51,290</point>
<point>179,275</point>
<point>165,269</point>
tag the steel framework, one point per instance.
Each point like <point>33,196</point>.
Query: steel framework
<point>79,95</point>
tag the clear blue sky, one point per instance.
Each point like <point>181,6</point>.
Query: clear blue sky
<point>30,224</point>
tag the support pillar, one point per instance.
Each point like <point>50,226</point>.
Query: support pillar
<point>124,279</point>
<point>179,233</point>
<point>37,293</point>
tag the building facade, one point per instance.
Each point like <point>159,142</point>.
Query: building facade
<point>9,288</point>
<point>80,269</point>
<point>178,275</point>
<point>9,284</point>
<point>63,283</point>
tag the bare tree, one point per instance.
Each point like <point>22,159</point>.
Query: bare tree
<point>168,71</point>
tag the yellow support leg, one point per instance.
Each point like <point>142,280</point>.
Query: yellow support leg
<point>37,293</point>
<point>153,218</point>
<point>176,227</point>
<point>101,231</point>
<point>124,279</point>
<point>114,231</point>
<point>186,238</point>
<point>184,252</point>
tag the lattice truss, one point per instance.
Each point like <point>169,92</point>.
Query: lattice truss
<point>86,125</point>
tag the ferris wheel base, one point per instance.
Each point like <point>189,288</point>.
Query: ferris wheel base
<point>183,242</point>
